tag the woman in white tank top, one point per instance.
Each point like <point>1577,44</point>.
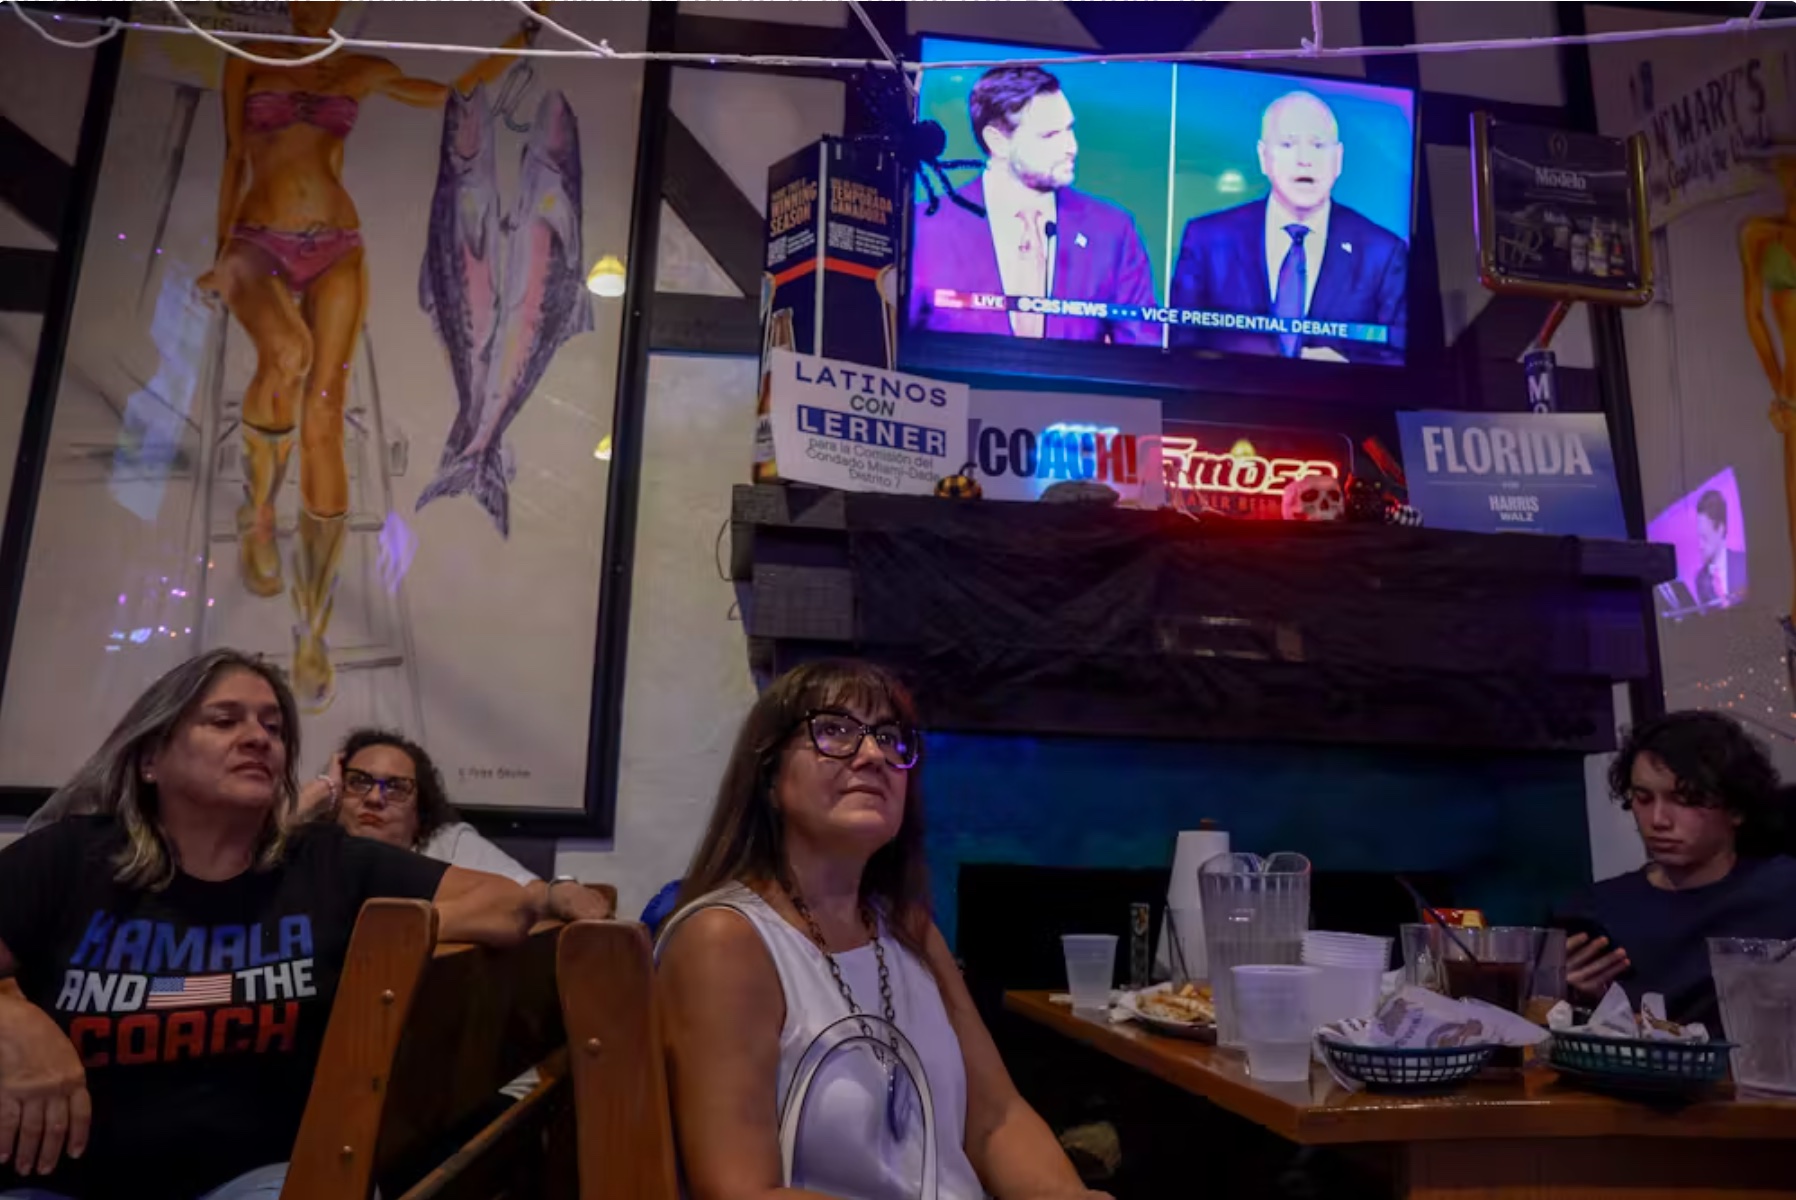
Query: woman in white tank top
<point>807,903</point>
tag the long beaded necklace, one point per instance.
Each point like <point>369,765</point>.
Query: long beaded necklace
<point>895,1117</point>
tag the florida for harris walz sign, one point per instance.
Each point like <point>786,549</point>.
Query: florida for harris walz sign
<point>1513,472</point>
<point>863,429</point>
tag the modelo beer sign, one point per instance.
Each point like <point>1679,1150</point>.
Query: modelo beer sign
<point>1242,471</point>
<point>1023,443</point>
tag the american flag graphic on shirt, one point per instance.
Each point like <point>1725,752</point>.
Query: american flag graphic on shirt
<point>191,991</point>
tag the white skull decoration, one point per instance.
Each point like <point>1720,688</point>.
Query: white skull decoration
<point>1313,498</point>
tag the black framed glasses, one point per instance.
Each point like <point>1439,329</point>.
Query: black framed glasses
<point>396,790</point>
<point>839,735</point>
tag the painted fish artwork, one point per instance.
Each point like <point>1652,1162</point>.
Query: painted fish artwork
<point>458,285</point>
<point>502,293</point>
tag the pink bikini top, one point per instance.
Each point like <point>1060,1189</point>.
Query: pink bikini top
<point>265,112</point>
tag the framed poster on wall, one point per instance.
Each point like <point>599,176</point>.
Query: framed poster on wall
<point>334,392</point>
<point>1561,214</point>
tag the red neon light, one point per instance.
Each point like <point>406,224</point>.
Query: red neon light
<point>1189,466</point>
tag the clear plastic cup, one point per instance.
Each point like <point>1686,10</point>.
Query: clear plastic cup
<point>1345,949</point>
<point>1508,969</point>
<point>1755,981</point>
<point>1424,956</point>
<point>1090,968</point>
<point>1274,1008</point>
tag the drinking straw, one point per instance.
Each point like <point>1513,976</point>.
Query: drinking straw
<point>1427,910</point>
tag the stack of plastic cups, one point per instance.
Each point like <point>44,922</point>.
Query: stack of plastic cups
<point>1351,973</point>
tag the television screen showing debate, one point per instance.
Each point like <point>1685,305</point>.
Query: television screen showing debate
<point>1167,207</point>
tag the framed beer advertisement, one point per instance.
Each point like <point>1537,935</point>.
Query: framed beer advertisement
<point>1561,214</point>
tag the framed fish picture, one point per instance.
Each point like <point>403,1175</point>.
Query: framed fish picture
<point>335,393</point>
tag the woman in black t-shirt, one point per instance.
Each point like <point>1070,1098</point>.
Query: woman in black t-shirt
<point>169,951</point>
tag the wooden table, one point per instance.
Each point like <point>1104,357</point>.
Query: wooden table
<point>1532,1139</point>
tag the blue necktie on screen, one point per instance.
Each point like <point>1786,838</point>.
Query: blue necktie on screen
<point>1293,281</point>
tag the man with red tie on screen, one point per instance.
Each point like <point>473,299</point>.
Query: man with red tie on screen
<point>1040,235</point>
<point>1298,254</point>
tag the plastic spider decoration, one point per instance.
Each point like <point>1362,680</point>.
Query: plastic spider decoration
<point>918,144</point>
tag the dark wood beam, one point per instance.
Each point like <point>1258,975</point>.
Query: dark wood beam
<point>726,35</point>
<point>684,323</point>
<point>695,34</point>
<point>1445,119</point>
<point>1504,328</point>
<point>25,279</point>
<point>1133,27</point>
<point>704,196</point>
<point>70,232</point>
<point>33,182</point>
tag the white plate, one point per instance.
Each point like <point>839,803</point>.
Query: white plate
<point>1196,1031</point>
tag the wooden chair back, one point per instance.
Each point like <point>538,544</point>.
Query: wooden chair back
<point>606,972</point>
<point>421,1038</point>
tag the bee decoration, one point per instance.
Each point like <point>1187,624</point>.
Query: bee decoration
<point>960,486</point>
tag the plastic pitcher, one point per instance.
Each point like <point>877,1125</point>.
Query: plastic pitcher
<point>1755,980</point>
<point>1255,912</point>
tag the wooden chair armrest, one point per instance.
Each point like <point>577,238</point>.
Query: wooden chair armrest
<point>333,1156</point>
<point>605,973</point>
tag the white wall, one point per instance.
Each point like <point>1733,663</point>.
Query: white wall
<point>687,684</point>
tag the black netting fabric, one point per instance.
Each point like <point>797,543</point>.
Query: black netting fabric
<point>985,601</point>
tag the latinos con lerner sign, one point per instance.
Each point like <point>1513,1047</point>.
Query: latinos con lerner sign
<point>1561,214</point>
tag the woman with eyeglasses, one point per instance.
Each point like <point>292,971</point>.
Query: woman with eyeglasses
<point>806,903</point>
<point>385,786</point>
<point>170,948</point>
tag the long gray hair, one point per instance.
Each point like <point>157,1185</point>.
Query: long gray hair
<point>112,782</point>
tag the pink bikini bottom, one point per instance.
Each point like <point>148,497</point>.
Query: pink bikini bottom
<point>303,257</point>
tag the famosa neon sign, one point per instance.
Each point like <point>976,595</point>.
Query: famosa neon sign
<point>1237,471</point>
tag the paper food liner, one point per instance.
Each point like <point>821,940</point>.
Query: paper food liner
<point>1416,1018</point>
<point>1615,1018</point>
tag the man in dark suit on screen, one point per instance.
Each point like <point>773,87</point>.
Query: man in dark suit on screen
<point>1298,254</point>
<point>1040,235</point>
<point>1721,577</point>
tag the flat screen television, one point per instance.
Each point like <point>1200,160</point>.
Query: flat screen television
<point>1146,212</point>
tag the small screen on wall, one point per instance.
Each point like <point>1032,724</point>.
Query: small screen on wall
<point>1707,529</point>
<point>1156,208</point>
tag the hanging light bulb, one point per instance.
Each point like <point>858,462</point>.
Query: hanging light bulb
<point>607,277</point>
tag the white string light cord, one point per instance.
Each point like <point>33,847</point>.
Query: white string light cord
<point>335,43</point>
<point>1310,47</point>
